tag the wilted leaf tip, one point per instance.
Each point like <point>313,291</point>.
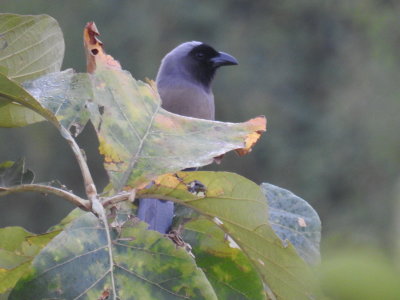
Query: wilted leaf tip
<point>93,33</point>
<point>258,125</point>
<point>95,53</point>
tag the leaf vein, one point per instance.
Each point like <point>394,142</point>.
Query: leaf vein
<point>147,250</point>
<point>28,47</point>
<point>33,72</point>
<point>40,57</point>
<point>135,158</point>
<point>151,282</point>
<point>16,26</point>
<point>70,260</point>
<point>92,285</point>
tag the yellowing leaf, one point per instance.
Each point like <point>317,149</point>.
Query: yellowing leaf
<point>18,247</point>
<point>136,264</point>
<point>139,139</point>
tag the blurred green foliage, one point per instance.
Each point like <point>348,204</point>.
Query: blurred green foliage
<point>325,73</point>
<point>359,274</point>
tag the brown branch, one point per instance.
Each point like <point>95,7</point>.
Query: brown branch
<point>39,188</point>
<point>115,199</point>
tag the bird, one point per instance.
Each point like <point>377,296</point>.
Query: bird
<point>184,82</point>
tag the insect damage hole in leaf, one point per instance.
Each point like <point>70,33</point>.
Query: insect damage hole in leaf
<point>239,207</point>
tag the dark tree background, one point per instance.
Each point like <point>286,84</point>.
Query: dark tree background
<point>325,73</point>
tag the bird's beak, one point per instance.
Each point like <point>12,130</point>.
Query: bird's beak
<point>223,59</point>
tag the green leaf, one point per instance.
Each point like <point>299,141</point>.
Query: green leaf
<point>293,219</point>
<point>239,207</point>
<point>136,264</point>
<point>30,46</point>
<point>58,97</point>
<point>14,173</point>
<point>359,273</point>
<point>11,91</point>
<point>16,115</point>
<point>225,265</point>
<point>17,249</point>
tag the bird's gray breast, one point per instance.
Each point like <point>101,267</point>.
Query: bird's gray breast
<point>188,100</point>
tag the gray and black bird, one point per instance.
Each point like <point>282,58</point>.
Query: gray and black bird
<point>184,84</point>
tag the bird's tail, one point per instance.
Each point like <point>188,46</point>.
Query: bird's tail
<point>157,213</point>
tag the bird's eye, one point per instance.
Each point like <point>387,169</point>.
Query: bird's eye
<point>199,55</point>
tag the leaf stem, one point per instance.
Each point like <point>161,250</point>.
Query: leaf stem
<point>90,188</point>
<point>115,199</point>
<point>102,215</point>
<point>40,188</point>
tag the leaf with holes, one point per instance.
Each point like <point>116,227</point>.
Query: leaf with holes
<point>240,208</point>
<point>139,139</point>
<point>130,263</point>
<point>293,219</point>
<point>30,46</point>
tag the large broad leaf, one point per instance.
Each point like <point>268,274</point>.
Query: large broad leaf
<point>240,208</point>
<point>11,91</point>
<point>30,46</point>
<point>139,139</point>
<point>16,115</point>
<point>293,219</point>
<point>135,263</point>
<point>18,247</point>
<point>58,97</point>
<point>14,173</point>
<point>225,265</point>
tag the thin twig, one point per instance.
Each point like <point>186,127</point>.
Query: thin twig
<point>40,188</point>
<point>90,188</point>
<point>115,199</point>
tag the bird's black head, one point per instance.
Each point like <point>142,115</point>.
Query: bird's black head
<point>204,60</point>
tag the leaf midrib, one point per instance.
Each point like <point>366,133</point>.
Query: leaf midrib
<point>135,158</point>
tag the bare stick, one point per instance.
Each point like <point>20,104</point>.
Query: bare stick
<point>90,188</point>
<point>39,188</point>
<point>115,199</point>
